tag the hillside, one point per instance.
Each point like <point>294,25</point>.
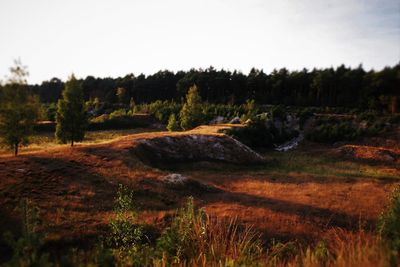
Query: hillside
<point>307,194</point>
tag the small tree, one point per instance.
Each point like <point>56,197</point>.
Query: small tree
<point>191,114</point>
<point>173,124</point>
<point>18,109</point>
<point>71,114</point>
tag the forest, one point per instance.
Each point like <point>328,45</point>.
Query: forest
<point>334,87</point>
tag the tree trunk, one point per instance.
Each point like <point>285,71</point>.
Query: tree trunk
<point>16,149</point>
<point>72,142</point>
<point>393,104</point>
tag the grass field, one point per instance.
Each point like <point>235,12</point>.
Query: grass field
<point>45,140</point>
<point>306,195</point>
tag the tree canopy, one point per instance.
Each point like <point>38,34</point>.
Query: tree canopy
<point>18,109</point>
<point>71,114</point>
<point>342,86</point>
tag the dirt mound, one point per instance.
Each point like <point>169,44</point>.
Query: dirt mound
<point>368,153</point>
<point>195,147</point>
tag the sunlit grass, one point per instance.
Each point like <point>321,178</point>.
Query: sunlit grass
<point>325,166</point>
<point>45,140</point>
<point>300,163</point>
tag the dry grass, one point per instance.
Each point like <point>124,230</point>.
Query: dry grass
<point>300,195</point>
<point>46,140</point>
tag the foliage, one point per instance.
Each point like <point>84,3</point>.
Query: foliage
<point>256,134</point>
<point>173,124</point>
<point>330,87</point>
<point>251,110</point>
<point>389,222</point>
<point>191,114</point>
<point>194,237</point>
<point>19,109</point>
<point>331,129</point>
<point>27,248</point>
<point>330,132</point>
<point>71,114</point>
<point>304,115</point>
<point>51,111</point>
<point>124,233</point>
<point>278,113</point>
<point>161,110</point>
<point>118,113</point>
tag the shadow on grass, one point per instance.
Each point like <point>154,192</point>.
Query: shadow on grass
<point>326,218</point>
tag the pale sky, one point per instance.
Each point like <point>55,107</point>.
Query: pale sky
<point>113,38</point>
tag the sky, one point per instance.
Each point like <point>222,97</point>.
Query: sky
<point>112,38</point>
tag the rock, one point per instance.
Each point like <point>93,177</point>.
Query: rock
<point>187,185</point>
<point>194,147</point>
<point>235,120</point>
<point>174,178</point>
<point>217,120</point>
<point>290,144</point>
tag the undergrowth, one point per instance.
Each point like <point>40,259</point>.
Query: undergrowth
<point>194,238</point>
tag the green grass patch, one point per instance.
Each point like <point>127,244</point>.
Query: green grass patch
<point>323,166</point>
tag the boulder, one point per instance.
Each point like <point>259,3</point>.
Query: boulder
<point>194,147</point>
<point>235,120</point>
<point>217,120</point>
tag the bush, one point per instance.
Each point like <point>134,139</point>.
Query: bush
<point>118,113</point>
<point>257,135</point>
<point>125,234</point>
<point>191,114</point>
<point>27,248</point>
<point>173,124</point>
<point>105,122</point>
<point>161,110</point>
<point>194,238</point>
<point>389,222</point>
<point>330,131</point>
<point>304,115</point>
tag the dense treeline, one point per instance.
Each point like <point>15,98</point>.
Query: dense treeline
<point>341,86</point>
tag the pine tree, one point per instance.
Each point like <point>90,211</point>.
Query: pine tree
<point>71,114</point>
<point>18,109</point>
<point>191,114</point>
<point>173,124</point>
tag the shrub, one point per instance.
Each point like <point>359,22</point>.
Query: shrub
<point>278,112</point>
<point>104,122</point>
<point>194,238</point>
<point>304,115</point>
<point>173,124</point>
<point>118,113</point>
<point>332,131</point>
<point>389,222</point>
<point>190,114</point>
<point>27,248</point>
<point>125,234</point>
<point>257,135</point>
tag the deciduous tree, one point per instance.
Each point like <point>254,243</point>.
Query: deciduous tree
<point>18,109</point>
